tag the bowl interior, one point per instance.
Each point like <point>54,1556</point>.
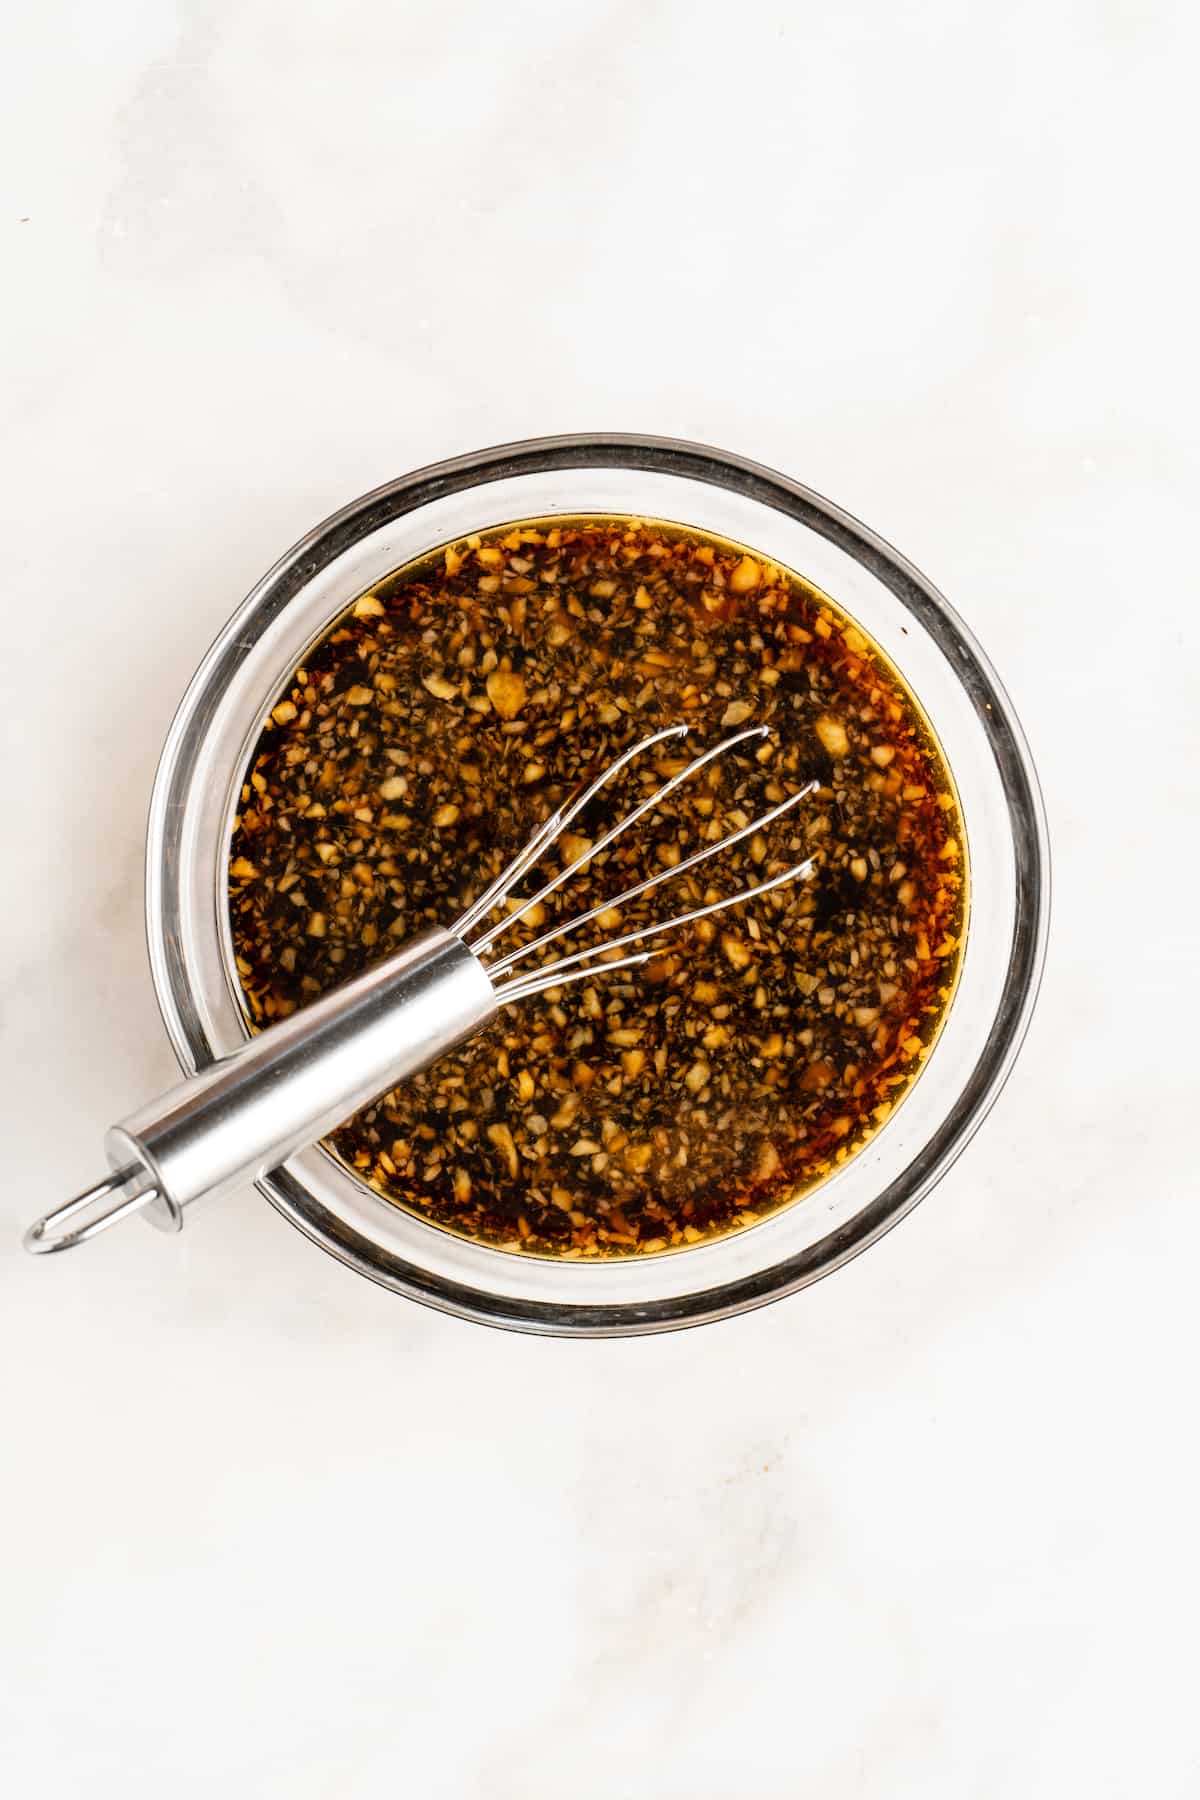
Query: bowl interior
<point>222,714</point>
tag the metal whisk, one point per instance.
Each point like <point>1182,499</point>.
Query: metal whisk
<point>301,1078</point>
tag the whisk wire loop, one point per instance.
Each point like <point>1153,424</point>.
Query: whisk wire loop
<point>512,976</point>
<point>622,825</point>
<point>509,962</point>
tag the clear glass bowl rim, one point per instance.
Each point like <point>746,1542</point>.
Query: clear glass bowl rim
<point>1014,766</point>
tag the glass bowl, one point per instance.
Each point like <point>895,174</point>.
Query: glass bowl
<point>196,792</point>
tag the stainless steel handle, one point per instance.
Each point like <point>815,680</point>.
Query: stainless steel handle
<point>284,1089</point>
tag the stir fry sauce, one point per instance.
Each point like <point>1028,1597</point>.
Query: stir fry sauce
<point>465,698</point>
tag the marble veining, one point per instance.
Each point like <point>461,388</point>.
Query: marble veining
<point>928,1528</point>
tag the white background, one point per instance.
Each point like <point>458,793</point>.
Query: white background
<point>928,1529</point>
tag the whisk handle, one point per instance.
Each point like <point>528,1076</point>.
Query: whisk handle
<point>286,1087</point>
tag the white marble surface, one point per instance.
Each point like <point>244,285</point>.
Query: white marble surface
<point>928,1529</point>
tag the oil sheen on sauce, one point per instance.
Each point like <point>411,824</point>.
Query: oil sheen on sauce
<point>447,713</point>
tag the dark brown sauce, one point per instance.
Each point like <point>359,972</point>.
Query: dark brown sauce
<point>447,714</point>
